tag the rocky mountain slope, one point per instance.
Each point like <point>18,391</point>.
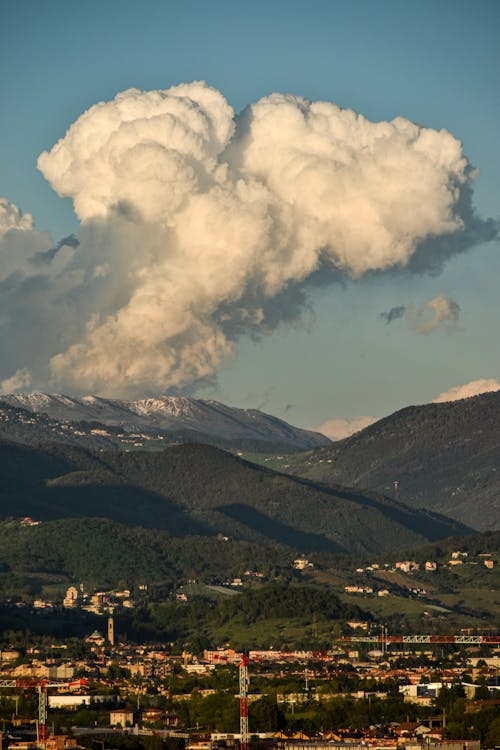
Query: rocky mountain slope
<point>174,419</point>
<point>444,457</point>
<point>198,489</point>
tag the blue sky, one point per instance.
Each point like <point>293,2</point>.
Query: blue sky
<point>433,62</point>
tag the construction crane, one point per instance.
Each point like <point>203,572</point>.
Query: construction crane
<point>461,640</point>
<point>41,687</point>
<point>244,729</point>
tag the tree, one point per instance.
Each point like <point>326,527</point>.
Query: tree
<point>265,716</point>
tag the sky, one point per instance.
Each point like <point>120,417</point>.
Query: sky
<point>264,251</point>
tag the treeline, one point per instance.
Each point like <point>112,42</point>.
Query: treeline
<point>246,618</point>
<point>131,742</point>
<point>278,601</point>
<point>219,711</point>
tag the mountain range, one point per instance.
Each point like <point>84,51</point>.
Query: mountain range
<point>105,422</point>
<point>404,477</point>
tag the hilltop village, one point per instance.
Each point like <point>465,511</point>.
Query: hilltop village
<point>398,578</point>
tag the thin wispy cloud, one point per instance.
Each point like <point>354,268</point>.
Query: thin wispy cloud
<point>438,312</point>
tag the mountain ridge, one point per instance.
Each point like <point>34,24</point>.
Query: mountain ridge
<point>210,421</point>
<point>443,456</point>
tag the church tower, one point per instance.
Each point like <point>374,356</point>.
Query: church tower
<point>111,631</point>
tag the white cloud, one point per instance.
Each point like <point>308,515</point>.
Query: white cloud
<point>474,388</point>
<point>19,381</point>
<point>11,217</point>
<point>438,312</point>
<point>19,240</point>
<point>338,429</point>
<point>199,227</point>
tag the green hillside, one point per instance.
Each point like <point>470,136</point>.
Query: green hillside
<point>195,489</point>
<point>283,606</point>
<point>103,553</point>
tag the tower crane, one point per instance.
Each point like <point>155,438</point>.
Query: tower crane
<point>41,687</point>
<point>459,640</point>
<point>244,680</point>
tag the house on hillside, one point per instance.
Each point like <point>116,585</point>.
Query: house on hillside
<point>406,566</point>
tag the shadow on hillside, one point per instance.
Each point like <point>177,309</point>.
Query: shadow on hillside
<point>430,525</point>
<point>22,463</point>
<point>278,531</point>
<point>126,504</point>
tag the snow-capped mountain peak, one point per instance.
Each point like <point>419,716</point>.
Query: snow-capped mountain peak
<point>178,416</point>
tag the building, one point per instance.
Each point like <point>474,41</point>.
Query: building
<point>121,717</point>
<point>301,563</point>
<point>61,672</point>
<point>405,566</point>
<point>72,598</point>
<point>222,656</point>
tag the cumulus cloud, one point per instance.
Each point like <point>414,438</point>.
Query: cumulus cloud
<point>338,429</point>
<point>440,311</point>
<point>474,388</point>
<point>36,310</point>
<point>19,240</point>
<point>198,227</point>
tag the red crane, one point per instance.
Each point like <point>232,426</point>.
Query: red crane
<point>244,729</point>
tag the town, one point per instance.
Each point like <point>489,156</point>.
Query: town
<point>373,692</point>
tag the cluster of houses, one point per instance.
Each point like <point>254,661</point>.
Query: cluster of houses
<point>457,557</point>
<point>354,589</point>
<point>99,602</point>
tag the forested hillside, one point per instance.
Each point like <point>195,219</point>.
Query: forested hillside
<point>444,457</point>
<point>104,553</point>
<point>194,489</point>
